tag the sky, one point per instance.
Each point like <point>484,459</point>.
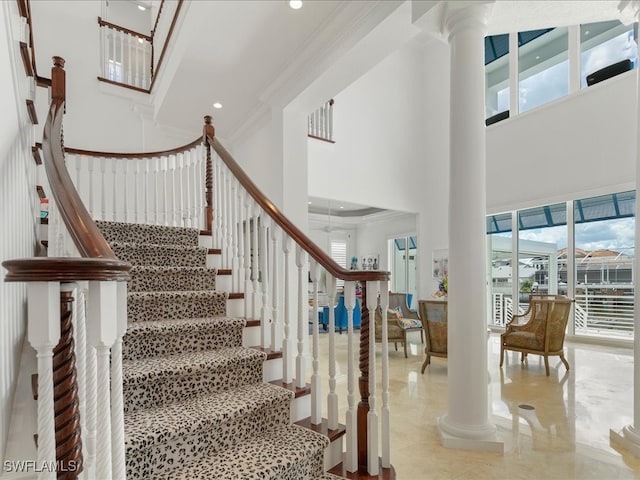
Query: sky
<point>616,234</point>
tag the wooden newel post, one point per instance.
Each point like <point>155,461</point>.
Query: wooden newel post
<point>58,81</point>
<point>65,394</point>
<point>363,385</point>
<point>209,132</point>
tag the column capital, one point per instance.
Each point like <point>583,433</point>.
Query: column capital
<point>467,14</point>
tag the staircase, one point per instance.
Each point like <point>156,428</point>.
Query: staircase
<point>194,400</point>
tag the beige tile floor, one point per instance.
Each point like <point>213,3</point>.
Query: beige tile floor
<point>566,436</point>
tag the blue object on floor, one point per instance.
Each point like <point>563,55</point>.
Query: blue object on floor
<point>341,316</point>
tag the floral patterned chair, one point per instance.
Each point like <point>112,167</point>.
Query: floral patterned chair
<point>397,328</point>
<point>434,321</point>
<point>410,318</point>
<point>540,330</point>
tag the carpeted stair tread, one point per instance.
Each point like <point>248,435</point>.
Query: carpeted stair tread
<point>284,453</point>
<point>141,233</point>
<point>160,255</point>
<point>166,279</point>
<point>169,337</point>
<point>143,306</point>
<point>156,381</point>
<point>203,413</point>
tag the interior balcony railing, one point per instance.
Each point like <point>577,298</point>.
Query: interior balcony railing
<point>133,59</point>
<point>202,186</point>
<point>320,123</point>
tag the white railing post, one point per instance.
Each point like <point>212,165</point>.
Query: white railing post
<point>316,386</point>
<point>385,414</point>
<point>247,255</point>
<point>80,320</point>
<point>301,261</point>
<point>264,282</point>
<point>276,330</point>
<point>117,402</point>
<point>101,334</point>
<point>332,397</point>
<point>44,334</point>
<point>351,456</point>
<point>372,417</point>
<point>240,274</point>
<point>255,268</point>
<point>287,343</point>
<point>114,174</point>
<point>235,270</point>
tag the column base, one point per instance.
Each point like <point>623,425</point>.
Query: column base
<point>483,438</point>
<point>628,438</point>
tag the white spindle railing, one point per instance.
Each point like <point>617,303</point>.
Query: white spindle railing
<point>116,194</point>
<point>320,122</point>
<point>126,56</point>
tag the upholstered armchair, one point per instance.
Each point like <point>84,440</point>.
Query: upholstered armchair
<point>540,330</point>
<point>434,321</point>
<point>410,319</point>
<point>397,328</point>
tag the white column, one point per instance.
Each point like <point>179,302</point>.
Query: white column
<point>466,424</point>
<point>629,437</point>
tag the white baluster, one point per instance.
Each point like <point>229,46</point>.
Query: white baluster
<point>351,457</point>
<point>188,188</point>
<point>44,334</point>
<point>180,165</point>
<point>233,192</point>
<point>146,80</point>
<point>79,160</point>
<point>174,200</point>
<point>385,414</point>
<point>241,246</point>
<point>200,188</point>
<point>224,184</point>
<point>301,260</point>
<point>330,119</point>
<point>101,334</point>
<point>247,254</point>
<point>112,53</point>
<point>372,417</point>
<point>91,410</point>
<point>114,175</point>
<point>103,184</point>
<point>91,204</point>
<point>165,181</point>
<point>332,398</point>
<point>254,261</point>
<point>145,190</point>
<point>156,189</point>
<point>79,318</point>
<point>122,36</point>
<point>228,201</point>
<point>287,343</point>
<point>136,185</point>
<point>276,330</point>
<point>125,195</point>
<point>265,318</point>
<point>129,68</point>
<point>117,402</point>
<point>316,387</point>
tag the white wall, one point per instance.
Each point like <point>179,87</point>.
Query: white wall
<point>375,232</point>
<point>378,134</point>
<point>18,208</point>
<point>99,116</point>
<point>576,147</point>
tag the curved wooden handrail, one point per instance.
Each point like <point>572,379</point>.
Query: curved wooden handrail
<point>162,153</point>
<point>82,229</point>
<point>166,44</point>
<point>155,24</point>
<point>294,232</point>
<point>113,26</point>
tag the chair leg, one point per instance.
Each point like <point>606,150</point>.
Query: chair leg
<point>426,363</point>
<point>405,348</point>
<point>501,355</point>
<point>564,360</point>
<point>546,364</point>
<point>395,344</point>
<point>422,337</point>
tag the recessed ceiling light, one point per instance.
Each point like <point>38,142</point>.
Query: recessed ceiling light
<point>309,203</point>
<point>341,206</point>
<point>537,57</point>
<point>142,7</point>
<point>295,4</point>
<point>217,105</point>
<point>140,40</point>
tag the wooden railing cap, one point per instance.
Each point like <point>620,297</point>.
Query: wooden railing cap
<point>66,269</point>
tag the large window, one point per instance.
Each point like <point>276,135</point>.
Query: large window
<point>605,43</point>
<point>402,253</point>
<point>496,61</point>
<point>602,257</point>
<point>543,67</point>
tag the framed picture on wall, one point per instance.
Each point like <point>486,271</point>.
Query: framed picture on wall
<point>371,262</point>
<point>440,263</point>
